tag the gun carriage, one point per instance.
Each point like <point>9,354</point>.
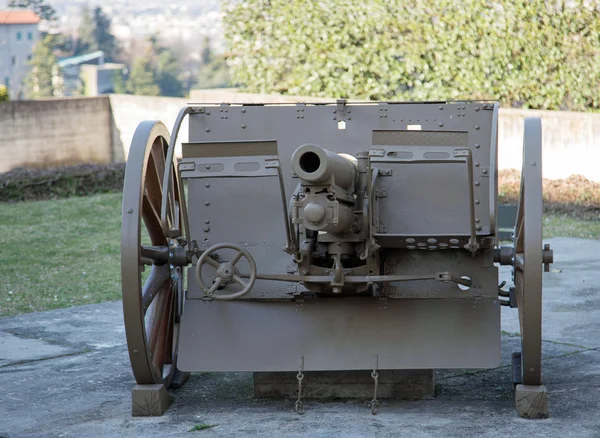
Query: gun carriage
<point>342,236</point>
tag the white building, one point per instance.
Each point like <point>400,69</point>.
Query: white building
<point>18,35</point>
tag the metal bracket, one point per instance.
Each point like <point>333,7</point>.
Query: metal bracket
<point>186,166</point>
<point>380,193</point>
<point>473,245</point>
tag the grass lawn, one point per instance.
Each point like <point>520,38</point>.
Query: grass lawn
<point>59,253</point>
<point>67,252</point>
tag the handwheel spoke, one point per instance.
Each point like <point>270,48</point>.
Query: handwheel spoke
<point>239,280</point>
<point>236,258</point>
<point>158,276</point>
<point>215,286</point>
<point>212,262</point>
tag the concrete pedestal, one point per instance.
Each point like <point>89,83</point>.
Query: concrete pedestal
<point>531,401</point>
<point>393,384</point>
<point>149,400</point>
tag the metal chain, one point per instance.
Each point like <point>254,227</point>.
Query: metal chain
<point>375,376</point>
<point>300,376</point>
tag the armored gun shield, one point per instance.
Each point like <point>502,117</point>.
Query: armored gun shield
<point>330,235</point>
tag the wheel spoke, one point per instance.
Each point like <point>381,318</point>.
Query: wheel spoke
<point>154,284</point>
<point>236,258</point>
<point>153,184</point>
<point>168,347</point>
<point>158,157</point>
<point>171,187</point>
<point>212,262</point>
<point>215,286</point>
<point>165,322</point>
<point>152,222</point>
<point>239,281</point>
<point>155,322</point>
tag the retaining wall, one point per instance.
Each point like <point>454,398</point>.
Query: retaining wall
<point>44,133</point>
<point>100,129</point>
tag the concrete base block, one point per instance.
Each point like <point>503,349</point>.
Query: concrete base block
<point>531,401</point>
<point>149,400</point>
<point>393,384</point>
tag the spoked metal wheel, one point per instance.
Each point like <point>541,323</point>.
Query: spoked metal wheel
<point>152,307</point>
<point>529,254</point>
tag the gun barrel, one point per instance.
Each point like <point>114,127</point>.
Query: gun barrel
<point>315,165</point>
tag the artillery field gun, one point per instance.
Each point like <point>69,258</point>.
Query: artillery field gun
<point>320,237</point>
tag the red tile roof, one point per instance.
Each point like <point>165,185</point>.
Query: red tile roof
<point>21,16</point>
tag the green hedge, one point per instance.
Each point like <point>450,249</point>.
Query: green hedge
<point>62,182</point>
<point>3,94</point>
<point>532,54</point>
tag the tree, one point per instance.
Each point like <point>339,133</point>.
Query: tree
<point>535,54</point>
<point>119,83</point>
<point>94,34</point>
<point>141,79</point>
<point>40,81</point>
<point>214,72</point>
<point>44,11</point>
<point>167,74</point>
<point>3,94</point>
<point>156,72</point>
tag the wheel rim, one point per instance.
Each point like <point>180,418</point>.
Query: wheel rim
<point>528,253</point>
<point>151,306</point>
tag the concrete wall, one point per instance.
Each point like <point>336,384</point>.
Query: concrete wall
<point>128,111</point>
<point>51,132</point>
<point>100,130</point>
<point>571,142</point>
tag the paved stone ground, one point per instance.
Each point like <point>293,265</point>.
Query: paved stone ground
<point>66,373</point>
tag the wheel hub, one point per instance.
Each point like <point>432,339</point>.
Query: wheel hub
<point>226,271</point>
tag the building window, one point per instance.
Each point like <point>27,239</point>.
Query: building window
<point>29,36</point>
<point>14,60</point>
<point>18,36</point>
<point>28,57</point>
<point>7,82</point>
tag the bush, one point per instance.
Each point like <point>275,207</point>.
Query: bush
<point>3,94</point>
<point>62,182</point>
<point>533,54</point>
